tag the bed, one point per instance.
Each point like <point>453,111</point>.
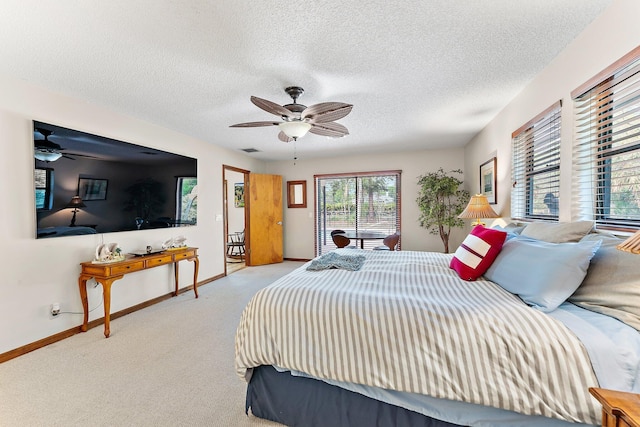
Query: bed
<point>402,339</point>
<point>64,231</point>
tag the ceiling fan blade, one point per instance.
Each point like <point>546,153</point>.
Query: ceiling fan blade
<point>67,157</point>
<point>326,112</point>
<point>254,124</point>
<point>334,130</point>
<point>283,137</point>
<point>78,155</point>
<point>270,107</point>
<point>47,145</point>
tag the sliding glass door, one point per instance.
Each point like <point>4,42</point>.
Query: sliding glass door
<point>368,201</point>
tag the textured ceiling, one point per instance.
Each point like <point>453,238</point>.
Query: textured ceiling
<point>420,73</point>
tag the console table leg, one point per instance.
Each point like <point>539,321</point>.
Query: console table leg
<point>176,275</point>
<point>196,266</point>
<point>82,283</point>
<point>106,286</point>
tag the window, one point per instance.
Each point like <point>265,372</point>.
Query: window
<point>607,147</point>
<point>367,201</point>
<point>44,188</point>
<point>187,200</point>
<point>536,167</point>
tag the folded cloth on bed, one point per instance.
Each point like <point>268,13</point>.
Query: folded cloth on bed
<point>334,260</point>
<point>405,321</point>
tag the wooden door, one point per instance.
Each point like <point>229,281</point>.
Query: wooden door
<point>263,199</point>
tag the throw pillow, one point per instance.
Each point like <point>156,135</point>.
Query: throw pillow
<point>543,274</point>
<point>558,232</point>
<point>612,284</point>
<point>511,229</point>
<point>476,253</point>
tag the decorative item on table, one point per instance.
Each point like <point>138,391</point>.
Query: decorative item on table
<point>108,252</point>
<point>477,209</point>
<point>175,243</point>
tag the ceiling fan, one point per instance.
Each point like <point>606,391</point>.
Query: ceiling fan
<point>48,151</point>
<point>299,119</point>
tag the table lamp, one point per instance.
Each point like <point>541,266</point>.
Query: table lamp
<point>75,203</point>
<point>478,208</point>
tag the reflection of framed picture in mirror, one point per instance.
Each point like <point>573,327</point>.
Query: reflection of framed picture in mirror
<point>238,195</point>
<point>488,180</point>
<point>92,189</point>
<point>297,194</point>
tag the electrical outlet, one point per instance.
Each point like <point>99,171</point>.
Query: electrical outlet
<point>55,309</point>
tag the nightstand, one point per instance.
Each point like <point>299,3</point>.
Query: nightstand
<point>619,409</point>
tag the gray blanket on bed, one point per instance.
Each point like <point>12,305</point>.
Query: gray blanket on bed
<point>334,260</point>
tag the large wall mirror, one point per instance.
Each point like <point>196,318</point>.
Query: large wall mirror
<point>86,184</point>
<point>297,194</point>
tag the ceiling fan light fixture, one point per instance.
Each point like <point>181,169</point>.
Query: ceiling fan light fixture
<point>295,129</point>
<point>47,156</point>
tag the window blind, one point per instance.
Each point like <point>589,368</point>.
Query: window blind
<point>606,152</point>
<point>535,169</point>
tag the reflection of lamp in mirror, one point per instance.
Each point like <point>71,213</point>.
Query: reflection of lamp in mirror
<point>478,208</point>
<point>75,203</point>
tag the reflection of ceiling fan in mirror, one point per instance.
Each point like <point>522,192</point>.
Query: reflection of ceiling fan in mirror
<point>48,151</point>
<point>299,119</point>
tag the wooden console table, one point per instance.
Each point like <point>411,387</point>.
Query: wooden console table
<point>107,273</point>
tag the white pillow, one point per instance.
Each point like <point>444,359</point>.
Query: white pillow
<point>543,274</point>
<point>558,232</point>
<point>612,284</point>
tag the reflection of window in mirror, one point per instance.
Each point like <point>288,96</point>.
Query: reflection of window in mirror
<point>297,194</point>
<point>187,197</point>
<point>44,188</point>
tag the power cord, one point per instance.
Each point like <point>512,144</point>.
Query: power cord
<point>82,312</point>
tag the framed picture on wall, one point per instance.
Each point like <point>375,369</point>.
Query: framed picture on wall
<point>488,180</point>
<point>238,195</point>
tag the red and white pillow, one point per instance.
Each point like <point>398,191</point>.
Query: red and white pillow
<point>477,252</point>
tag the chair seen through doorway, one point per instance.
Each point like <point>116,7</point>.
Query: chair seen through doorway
<point>235,246</point>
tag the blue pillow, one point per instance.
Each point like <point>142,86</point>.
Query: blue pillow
<point>511,229</point>
<point>543,274</point>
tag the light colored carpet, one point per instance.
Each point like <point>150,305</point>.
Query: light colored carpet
<point>171,364</point>
<point>234,265</point>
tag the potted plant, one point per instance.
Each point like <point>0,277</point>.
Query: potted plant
<point>441,200</point>
<point>146,199</point>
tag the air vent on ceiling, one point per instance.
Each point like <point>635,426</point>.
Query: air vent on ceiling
<point>249,150</point>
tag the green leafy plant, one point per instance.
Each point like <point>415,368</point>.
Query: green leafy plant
<point>441,200</point>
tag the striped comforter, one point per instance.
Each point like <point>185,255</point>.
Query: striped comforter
<point>406,322</point>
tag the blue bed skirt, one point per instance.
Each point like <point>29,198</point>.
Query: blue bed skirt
<point>299,401</point>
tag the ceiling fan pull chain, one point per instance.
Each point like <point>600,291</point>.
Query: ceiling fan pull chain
<point>295,156</point>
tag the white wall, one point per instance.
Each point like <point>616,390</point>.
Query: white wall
<point>299,223</point>
<point>38,272</point>
<point>608,38</point>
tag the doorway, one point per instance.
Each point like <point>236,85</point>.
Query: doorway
<point>235,217</point>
